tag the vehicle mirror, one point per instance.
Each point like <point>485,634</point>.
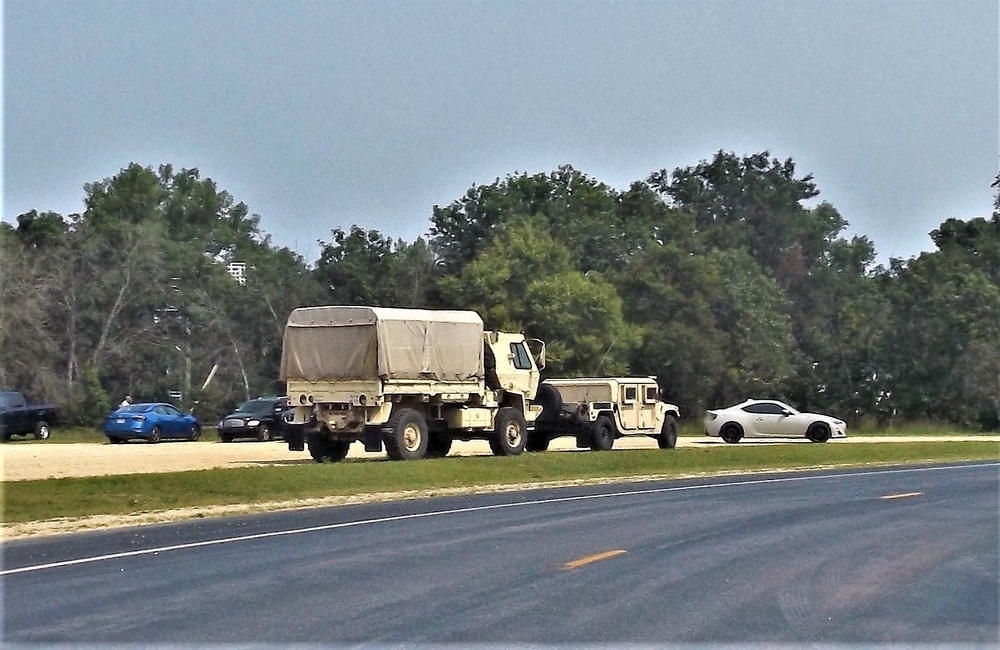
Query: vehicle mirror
<point>785,412</point>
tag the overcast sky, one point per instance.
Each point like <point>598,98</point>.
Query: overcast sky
<point>322,114</point>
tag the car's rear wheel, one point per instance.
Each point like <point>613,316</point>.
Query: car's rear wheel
<point>263,433</point>
<point>731,432</point>
<point>818,432</point>
<point>42,430</point>
<point>668,433</point>
<point>155,435</point>
<point>602,436</point>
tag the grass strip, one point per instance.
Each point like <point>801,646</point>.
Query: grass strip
<point>25,501</point>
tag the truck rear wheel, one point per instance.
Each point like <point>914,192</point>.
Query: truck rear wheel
<point>336,450</point>
<point>438,445</point>
<point>509,432</point>
<point>407,437</point>
<point>317,447</point>
<point>602,436</point>
<point>668,434</point>
<point>537,441</point>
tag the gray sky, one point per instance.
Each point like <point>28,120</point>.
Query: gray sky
<point>321,114</point>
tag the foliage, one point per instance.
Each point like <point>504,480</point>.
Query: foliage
<point>726,279</point>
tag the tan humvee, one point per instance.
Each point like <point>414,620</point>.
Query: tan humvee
<point>599,410</point>
<point>408,380</point>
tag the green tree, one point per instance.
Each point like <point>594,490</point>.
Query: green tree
<point>524,281</point>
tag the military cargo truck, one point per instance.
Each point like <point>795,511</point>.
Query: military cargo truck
<point>599,410</point>
<point>409,381</point>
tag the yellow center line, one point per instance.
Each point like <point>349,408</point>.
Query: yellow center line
<point>590,559</point>
<point>902,496</point>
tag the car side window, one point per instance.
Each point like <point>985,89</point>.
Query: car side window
<point>757,409</point>
<point>630,393</point>
<point>170,410</point>
<point>766,408</point>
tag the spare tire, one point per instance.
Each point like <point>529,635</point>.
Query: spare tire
<point>550,399</point>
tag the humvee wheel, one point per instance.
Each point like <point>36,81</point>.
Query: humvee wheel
<point>509,432</point>
<point>602,436</point>
<point>668,434</point>
<point>407,435</point>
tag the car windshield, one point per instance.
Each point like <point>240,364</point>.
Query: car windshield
<point>256,406</point>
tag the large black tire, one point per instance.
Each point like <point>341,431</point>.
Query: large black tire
<point>336,450</point>
<point>195,433</point>
<point>42,430</point>
<point>537,441</point>
<point>438,445</point>
<point>550,399</point>
<point>668,433</point>
<point>155,436</point>
<point>602,435</point>
<point>115,440</point>
<point>225,437</point>
<point>818,432</point>
<point>731,432</point>
<point>263,433</point>
<point>318,447</point>
<point>407,436</point>
<point>510,432</point>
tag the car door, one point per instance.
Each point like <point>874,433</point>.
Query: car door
<point>629,406</point>
<point>172,419</point>
<point>765,418</point>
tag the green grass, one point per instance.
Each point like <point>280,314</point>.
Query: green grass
<point>115,495</point>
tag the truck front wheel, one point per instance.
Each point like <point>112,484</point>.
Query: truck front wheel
<point>407,435</point>
<point>509,432</point>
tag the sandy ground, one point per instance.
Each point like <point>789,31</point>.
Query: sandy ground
<point>29,460</point>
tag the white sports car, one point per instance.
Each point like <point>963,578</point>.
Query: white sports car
<point>762,417</point>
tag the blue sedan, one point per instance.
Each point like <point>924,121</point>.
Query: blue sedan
<point>151,422</point>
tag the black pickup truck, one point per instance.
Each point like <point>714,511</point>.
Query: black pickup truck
<point>18,418</point>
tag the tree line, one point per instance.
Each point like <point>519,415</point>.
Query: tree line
<point>726,280</point>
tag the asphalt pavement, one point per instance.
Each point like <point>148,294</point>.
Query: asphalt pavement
<point>884,556</point>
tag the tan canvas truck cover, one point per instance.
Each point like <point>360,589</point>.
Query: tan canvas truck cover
<point>338,343</point>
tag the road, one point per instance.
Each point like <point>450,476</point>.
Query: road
<point>900,556</point>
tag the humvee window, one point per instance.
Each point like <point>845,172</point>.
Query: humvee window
<point>650,393</point>
<point>630,393</point>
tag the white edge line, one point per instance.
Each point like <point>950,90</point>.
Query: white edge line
<point>496,506</point>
